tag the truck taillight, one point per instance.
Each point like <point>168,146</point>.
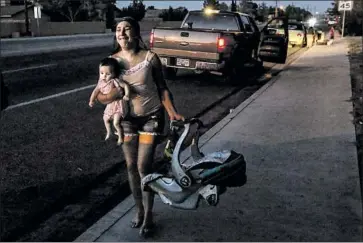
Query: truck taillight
<point>151,39</point>
<point>221,43</point>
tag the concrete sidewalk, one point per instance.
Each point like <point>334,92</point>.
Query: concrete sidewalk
<point>303,183</point>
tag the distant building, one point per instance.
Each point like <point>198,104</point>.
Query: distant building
<point>4,3</point>
<point>17,14</point>
<point>153,15</point>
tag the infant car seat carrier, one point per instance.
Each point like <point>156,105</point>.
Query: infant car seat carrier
<point>206,177</point>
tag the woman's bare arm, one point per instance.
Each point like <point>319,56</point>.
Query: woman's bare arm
<point>164,93</point>
<point>110,97</point>
<point>169,106</point>
<point>94,94</point>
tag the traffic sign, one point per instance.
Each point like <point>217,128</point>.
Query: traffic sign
<point>37,11</point>
<point>345,5</point>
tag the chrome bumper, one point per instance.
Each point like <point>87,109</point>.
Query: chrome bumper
<point>196,65</point>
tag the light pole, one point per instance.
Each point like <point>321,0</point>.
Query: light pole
<point>276,11</point>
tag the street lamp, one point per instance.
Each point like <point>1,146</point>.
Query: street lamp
<point>312,22</point>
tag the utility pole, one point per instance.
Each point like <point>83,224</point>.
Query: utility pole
<point>343,24</point>
<point>26,18</point>
<point>276,11</point>
<point>234,6</point>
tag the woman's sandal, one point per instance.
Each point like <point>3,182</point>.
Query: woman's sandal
<point>147,230</point>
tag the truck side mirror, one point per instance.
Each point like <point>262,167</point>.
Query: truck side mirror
<point>190,25</point>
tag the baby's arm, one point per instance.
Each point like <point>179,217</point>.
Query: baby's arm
<point>93,97</point>
<point>126,88</point>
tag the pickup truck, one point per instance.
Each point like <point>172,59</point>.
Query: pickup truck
<point>219,42</point>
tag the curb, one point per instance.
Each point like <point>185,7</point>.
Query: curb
<point>226,120</point>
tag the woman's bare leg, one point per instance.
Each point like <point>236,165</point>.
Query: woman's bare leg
<point>130,149</point>
<point>144,164</point>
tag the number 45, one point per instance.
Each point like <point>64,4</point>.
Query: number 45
<point>346,5</point>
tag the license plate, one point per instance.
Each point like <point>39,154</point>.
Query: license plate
<point>182,62</point>
<point>164,61</point>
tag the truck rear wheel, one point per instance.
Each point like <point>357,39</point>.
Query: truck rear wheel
<point>170,73</point>
<point>232,75</point>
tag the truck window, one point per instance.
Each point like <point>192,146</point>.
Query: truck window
<point>246,24</point>
<point>218,21</point>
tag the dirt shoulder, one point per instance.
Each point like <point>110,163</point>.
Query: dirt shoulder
<point>356,74</point>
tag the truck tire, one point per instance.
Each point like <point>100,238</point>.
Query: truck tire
<point>234,72</point>
<point>170,73</point>
<point>233,75</point>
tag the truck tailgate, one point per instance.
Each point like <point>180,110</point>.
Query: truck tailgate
<point>188,43</point>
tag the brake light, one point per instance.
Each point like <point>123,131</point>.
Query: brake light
<point>221,43</point>
<point>151,44</point>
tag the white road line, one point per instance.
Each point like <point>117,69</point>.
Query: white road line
<point>50,97</point>
<point>47,97</point>
<point>29,68</point>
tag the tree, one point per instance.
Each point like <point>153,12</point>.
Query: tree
<point>69,9</point>
<point>223,6</point>
<point>334,10</point>
<point>297,13</point>
<point>247,6</point>
<point>136,10</point>
<point>79,10</point>
<point>171,14</point>
<point>110,15</point>
<point>150,7</point>
<point>263,11</point>
<point>233,6</point>
<point>214,4</point>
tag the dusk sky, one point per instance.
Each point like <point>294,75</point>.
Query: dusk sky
<point>318,6</point>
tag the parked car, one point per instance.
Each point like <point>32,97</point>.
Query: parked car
<point>217,41</point>
<point>297,33</point>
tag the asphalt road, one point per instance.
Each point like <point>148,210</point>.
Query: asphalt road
<point>49,120</point>
<point>50,140</point>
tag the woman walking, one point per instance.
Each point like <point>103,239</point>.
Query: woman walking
<point>149,95</point>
